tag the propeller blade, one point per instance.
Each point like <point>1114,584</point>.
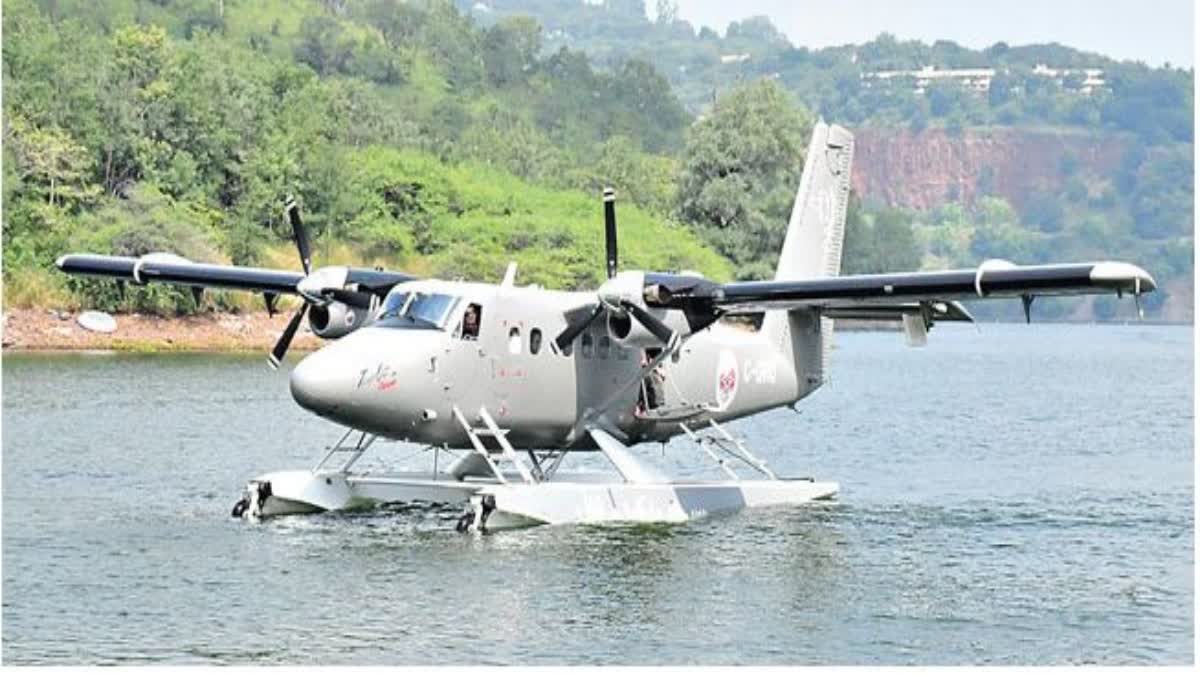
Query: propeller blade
<point>657,328</point>
<point>299,234</point>
<point>281,345</point>
<point>572,331</point>
<point>357,299</point>
<point>610,231</point>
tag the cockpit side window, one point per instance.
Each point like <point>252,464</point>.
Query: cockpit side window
<point>585,346</point>
<point>393,305</point>
<point>417,310</point>
<point>471,320</point>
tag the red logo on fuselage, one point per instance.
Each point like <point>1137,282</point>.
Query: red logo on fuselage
<point>728,381</point>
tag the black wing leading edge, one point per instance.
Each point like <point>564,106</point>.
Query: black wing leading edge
<point>991,280</point>
<point>353,286</point>
<point>167,268</point>
<point>172,269</point>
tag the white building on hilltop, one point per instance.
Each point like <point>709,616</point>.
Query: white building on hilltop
<point>975,79</point>
<point>1093,78</point>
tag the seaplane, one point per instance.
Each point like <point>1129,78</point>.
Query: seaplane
<point>500,383</point>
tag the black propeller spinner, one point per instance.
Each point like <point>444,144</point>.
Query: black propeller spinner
<point>579,324</point>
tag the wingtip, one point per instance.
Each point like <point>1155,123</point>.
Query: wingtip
<point>1111,271</point>
<point>60,261</point>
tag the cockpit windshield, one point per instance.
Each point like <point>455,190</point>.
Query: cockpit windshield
<point>416,310</point>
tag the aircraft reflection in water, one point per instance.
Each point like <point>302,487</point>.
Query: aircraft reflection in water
<point>519,376</point>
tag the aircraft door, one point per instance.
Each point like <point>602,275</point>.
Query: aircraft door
<point>510,364</point>
<point>464,359</point>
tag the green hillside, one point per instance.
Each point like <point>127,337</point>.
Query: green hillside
<point>411,137</point>
<point>446,142</point>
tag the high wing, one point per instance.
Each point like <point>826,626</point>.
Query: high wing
<point>351,286</point>
<point>168,268</point>
<point>172,269</point>
<point>995,279</point>
<point>907,296</point>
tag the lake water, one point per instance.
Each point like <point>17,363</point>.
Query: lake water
<point>1013,495</point>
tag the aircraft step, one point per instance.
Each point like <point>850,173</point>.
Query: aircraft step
<point>672,414</point>
<point>490,455</point>
<point>484,431</point>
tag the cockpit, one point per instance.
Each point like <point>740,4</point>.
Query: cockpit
<point>416,309</point>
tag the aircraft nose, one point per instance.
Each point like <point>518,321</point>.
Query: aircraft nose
<point>313,382</point>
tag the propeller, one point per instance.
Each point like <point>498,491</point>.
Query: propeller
<point>615,302</point>
<point>312,288</point>
<point>285,339</point>
<point>577,326</point>
<point>657,328</point>
<point>300,236</point>
<point>610,231</point>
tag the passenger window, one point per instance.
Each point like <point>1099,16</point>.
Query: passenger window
<point>586,346</point>
<point>514,340</point>
<point>470,323</point>
<point>602,347</point>
<point>535,340</point>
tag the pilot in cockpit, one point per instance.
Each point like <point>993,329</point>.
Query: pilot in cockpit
<point>470,326</point>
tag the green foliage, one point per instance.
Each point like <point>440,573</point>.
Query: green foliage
<point>1163,198</point>
<point>1153,103</point>
<point>879,242</point>
<point>471,219</point>
<point>647,180</point>
<point>446,142</point>
<point>132,127</point>
<point>147,222</point>
<point>510,49</point>
<point>741,167</point>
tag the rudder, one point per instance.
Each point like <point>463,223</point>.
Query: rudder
<point>812,248</point>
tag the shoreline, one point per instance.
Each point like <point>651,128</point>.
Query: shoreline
<point>51,330</point>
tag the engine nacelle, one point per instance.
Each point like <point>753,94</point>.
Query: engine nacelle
<point>628,332</point>
<point>335,319</point>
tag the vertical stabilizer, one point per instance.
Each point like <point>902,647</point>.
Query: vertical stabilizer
<point>813,244</point>
<point>812,248</point>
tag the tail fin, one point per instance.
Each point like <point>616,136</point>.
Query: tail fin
<point>813,248</point>
<point>813,245</point>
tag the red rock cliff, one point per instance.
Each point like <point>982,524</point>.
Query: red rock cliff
<point>926,169</point>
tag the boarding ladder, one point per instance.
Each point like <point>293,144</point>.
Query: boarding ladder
<point>505,451</point>
<point>723,440</point>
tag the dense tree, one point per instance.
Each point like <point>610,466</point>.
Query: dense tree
<point>740,171</point>
<point>879,242</point>
<point>510,49</point>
